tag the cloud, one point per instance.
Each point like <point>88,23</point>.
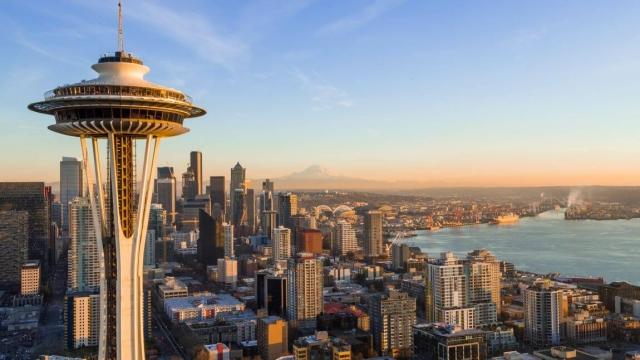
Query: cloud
<point>26,43</point>
<point>323,96</point>
<point>354,21</point>
<point>191,31</point>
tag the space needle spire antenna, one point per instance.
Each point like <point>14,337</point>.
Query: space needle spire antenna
<point>120,29</point>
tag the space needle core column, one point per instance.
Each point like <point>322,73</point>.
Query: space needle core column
<point>121,107</point>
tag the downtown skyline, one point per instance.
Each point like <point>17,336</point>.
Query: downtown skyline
<point>438,93</point>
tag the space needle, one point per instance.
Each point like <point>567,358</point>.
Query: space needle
<point>119,107</point>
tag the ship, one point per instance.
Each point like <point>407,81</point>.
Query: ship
<point>509,218</point>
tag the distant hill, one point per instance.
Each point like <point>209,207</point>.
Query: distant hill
<point>318,178</point>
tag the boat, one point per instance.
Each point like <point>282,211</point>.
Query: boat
<point>509,218</point>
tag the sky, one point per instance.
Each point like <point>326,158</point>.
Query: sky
<point>486,93</point>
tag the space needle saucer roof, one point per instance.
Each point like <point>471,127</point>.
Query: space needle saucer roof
<point>118,101</point>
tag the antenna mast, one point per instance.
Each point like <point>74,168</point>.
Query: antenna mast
<point>120,30</point>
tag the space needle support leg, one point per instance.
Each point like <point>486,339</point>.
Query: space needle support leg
<point>98,225</point>
<point>140,233</point>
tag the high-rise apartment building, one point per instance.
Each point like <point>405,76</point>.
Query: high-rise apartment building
<point>482,270</point>
<point>228,271</point>
<point>400,253</point>
<point>281,243</point>
<point>195,163</point>
<point>31,197</point>
<point>447,292</point>
<point>211,242</point>
<point>392,318</point>
<point>542,314</point>
<point>14,238</point>
<point>305,284</point>
<point>287,207</point>
<point>71,186</point>
<point>229,240</point>
<point>218,192</point>
<point>30,278</point>
<point>83,263</point>
<point>345,238</point>
<point>149,257</point>
<point>82,320</point>
<point>166,192</point>
<point>273,339</point>
<point>372,233</point>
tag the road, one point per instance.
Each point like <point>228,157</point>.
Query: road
<point>177,348</point>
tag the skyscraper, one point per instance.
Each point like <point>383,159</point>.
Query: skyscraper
<point>82,320</point>
<point>31,197</point>
<point>373,244</point>
<point>83,262</point>
<point>304,295</point>
<point>392,318</point>
<point>542,313</point>
<point>218,192</point>
<point>287,206</point>
<point>238,177</point>
<point>238,209</point>
<point>14,238</point>
<point>166,193</point>
<point>345,238</point>
<point>189,185</point>
<point>281,243</point>
<point>271,292</point>
<point>195,164</point>
<point>268,186</point>
<point>482,270</point>
<point>447,292</point>
<point>268,222</point>
<point>250,201</point>
<point>71,186</point>
<point>121,107</point>
<point>211,242</point>
<point>228,240</point>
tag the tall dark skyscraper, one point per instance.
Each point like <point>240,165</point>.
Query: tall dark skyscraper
<point>211,240</point>
<point>71,186</point>
<point>237,191</point>
<point>287,206</point>
<point>218,192</point>
<point>189,185</point>
<point>31,197</point>
<point>267,185</point>
<point>166,192</point>
<point>238,209</point>
<point>195,164</point>
<point>250,204</point>
<point>271,292</point>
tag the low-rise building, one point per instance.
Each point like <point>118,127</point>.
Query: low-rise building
<point>203,306</point>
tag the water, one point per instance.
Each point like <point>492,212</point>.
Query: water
<point>548,243</point>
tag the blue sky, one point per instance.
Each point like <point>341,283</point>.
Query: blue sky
<point>440,92</point>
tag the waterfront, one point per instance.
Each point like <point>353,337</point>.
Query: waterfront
<point>548,243</point>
